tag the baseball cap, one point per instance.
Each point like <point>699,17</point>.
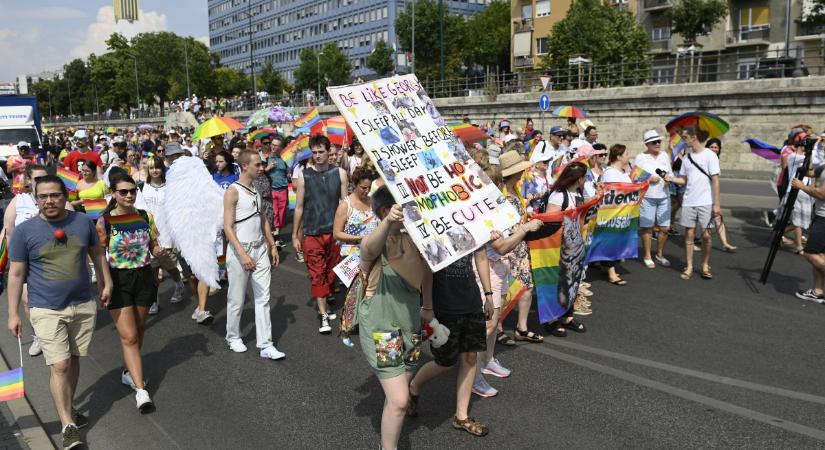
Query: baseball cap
<point>557,129</point>
<point>23,144</point>
<point>80,134</point>
<point>504,123</point>
<point>587,151</point>
<point>651,136</point>
<point>173,148</point>
<point>541,153</point>
<point>172,131</point>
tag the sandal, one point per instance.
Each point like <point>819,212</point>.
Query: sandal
<point>528,336</point>
<point>556,328</point>
<point>578,327</point>
<point>705,274</point>
<point>585,284</point>
<point>686,274</point>
<point>729,249</point>
<point>471,426</point>
<point>618,282</point>
<point>505,339</point>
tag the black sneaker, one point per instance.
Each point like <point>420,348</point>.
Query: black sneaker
<point>810,295</point>
<point>672,232</point>
<point>280,244</point>
<point>324,328</point>
<point>79,419</point>
<point>71,437</point>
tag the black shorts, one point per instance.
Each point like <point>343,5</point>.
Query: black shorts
<point>468,334</point>
<point>133,287</point>
<point>816,236</point>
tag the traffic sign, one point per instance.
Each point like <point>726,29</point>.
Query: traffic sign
<point>544,102</point>
<point>544,82</point>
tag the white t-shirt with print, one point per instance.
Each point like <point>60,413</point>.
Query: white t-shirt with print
<point>613,175</point>
<point>698,191</point>
<point>650,163</point>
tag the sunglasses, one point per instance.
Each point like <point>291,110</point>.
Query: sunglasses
<point>125,192</point>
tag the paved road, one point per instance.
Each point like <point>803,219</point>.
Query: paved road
<point>665,363</point>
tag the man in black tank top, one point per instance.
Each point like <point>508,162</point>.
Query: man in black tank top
<point>318,191</point>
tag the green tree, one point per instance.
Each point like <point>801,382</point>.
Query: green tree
<point>306,75</point>
<point>489,33</point>
<point>335,67</point>
<point>230,82</point>
<point>427,38</point>
<point>609,37</point>
<point>693,18</point>
<point>272,81</point>
<point>814,18</point>
<point>380,60</point>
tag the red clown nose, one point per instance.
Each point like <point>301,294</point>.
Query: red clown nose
<point>59,234</point>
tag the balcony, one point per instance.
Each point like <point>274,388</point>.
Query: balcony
<point>520,26</point>
<point>805,31</point>
<point>657,4</point>
<point>750,36</point>
<point>661,46</point>
<point>523,62</point>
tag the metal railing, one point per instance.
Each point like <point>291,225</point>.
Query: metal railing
<point>650,4</point>
<point>763,33</point>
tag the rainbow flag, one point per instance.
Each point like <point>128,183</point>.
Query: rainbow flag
<point>308,120</point>
<point>614,229</point>
<point>639,175</point>
<point>515,291</point>
<point>94,208</point>
<point>297,151</point>
<point>292,198</point>
<point>11,385</point>
<point>127,222</point>
<point>222,263</point>
<point>677,145</point>
<point>337,125</point>
<point>557,259</point>
<point>69,178</point>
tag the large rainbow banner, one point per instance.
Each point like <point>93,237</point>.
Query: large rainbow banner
<point>613,232</point>
<point>557,253</point>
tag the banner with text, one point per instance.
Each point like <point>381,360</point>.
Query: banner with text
<point>613,231</point>
<point>450,205</point>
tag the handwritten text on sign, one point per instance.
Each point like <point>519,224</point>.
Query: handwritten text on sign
<point>450,205</point>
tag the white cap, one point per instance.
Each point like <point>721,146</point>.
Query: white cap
<point>172,131</point>
<point>80,134</point>
<point>493,151</point>
<point>24,144</point>
<point>650,136</point>
<point>509,138</point>
<point>576,143</point>
<point>118,139</point>
<point>541,153</point>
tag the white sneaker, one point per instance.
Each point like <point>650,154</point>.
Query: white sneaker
<point>153,309</point>
<point>331,316</point>
<point>649,263</point>
<point>144,402</point>
<point>177,294</point>
<point>126,378</point>
<point>495,369</point>
<point>482,388</point>
<point>237,346</point>
<point>204,318</point>
<point>35,349</point>
<point>662,261</point>
<point>196,313</point>
<point>324,328</point>
<point>272,353</point>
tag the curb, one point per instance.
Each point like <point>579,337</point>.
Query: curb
<point>26,419</point>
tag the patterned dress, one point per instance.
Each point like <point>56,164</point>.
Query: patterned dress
<point>519,258</point>
<point>359,223</point>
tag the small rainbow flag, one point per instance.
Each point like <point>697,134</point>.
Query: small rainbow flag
<point>94,208</point>
<point>292,198</point>
<point>4,256</point>
<point>309,119</point>
<point>297,151</point>
<point>73,196</point>
<point>639,175</point>
<point>11,385</point>
<point>337,125</point>
<point>127,222</point>
<point>222,263</point>
<point>677,145</point>
<point>516,290</point>
<point>69,178</point>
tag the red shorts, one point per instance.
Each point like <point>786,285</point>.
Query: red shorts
<point>321,254</point>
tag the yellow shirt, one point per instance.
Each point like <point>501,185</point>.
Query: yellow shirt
<point>96,191</point>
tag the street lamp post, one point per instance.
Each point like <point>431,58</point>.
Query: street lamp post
<point>69,83</point>
<point>251,59</point>
<point>318,78</point>
<point>186,60</point>
<point>412,56</point>
<point>137,88</point>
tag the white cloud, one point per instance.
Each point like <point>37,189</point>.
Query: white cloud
<point>204,40</point>
<point>104,26</point>
<point>52,13</point>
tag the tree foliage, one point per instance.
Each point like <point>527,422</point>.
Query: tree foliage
<point>306,75</point>
<point>597,31</point>
<point>272,81</point>
<point>335,67</point>
<point>427,38</point>
<point>815,17</point>
<point>489,33</point>
<point>380,60</point>
<point>693,18</point>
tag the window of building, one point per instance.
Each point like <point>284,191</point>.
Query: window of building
<point>662,75</point>
<point>527,11</point>
<point>661,30</point>
<point>542,8</point>
<point>754,18</point>
<point>745,69</point>
<point>541,46</point>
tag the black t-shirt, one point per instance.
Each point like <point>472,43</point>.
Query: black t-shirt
<point>455,290</point>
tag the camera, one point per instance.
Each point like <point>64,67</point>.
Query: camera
<point>662,174</point>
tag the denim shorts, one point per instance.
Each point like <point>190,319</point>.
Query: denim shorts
<point>654,211</point>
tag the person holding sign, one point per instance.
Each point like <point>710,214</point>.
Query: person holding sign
<point>354,218</point>
<point>616,172</point>
<point>389,317</point>
<point>318,191</point>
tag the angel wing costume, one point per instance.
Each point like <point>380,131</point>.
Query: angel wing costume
<point>192,216</point>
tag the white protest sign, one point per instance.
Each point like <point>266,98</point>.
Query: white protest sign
<point>348,269</point>
<point>450,205</point>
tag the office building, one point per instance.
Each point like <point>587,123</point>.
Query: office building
<point>282,28</point>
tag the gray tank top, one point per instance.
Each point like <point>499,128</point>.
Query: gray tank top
<point>322,192</point>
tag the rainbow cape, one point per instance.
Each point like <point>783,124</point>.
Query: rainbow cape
<point>11,385</point>
<point>94,208</point>
<point>309,119</point>
<point>639,175</point>
<point>297,151</point>
<point>69,178</point>
<point>614,230</point>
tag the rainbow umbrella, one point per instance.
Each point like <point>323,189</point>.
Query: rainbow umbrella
<point>216,126</point>
<point>570,112</point>
<point>261,133</point>
<point>714,125</point>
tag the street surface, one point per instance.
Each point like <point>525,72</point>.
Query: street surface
<point>727,363</point>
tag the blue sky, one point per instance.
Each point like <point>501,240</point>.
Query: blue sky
<point>37,35</point>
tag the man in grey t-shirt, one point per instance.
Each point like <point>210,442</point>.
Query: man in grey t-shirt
<point>49,252</point>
